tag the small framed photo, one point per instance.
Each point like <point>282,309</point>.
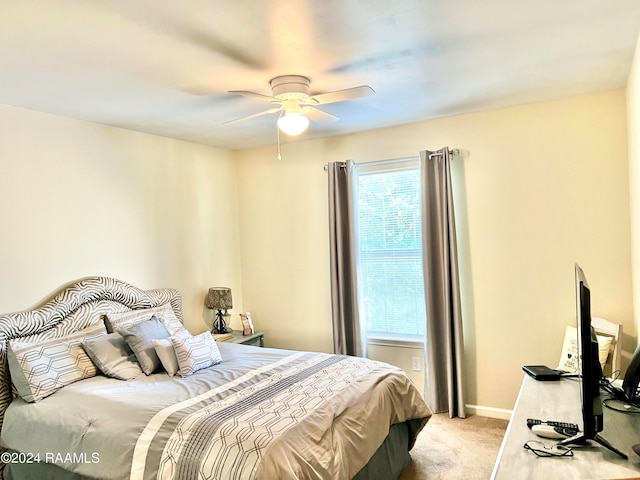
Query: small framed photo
<point>247,324</point>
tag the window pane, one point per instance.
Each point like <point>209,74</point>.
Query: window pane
<point>390,253</point>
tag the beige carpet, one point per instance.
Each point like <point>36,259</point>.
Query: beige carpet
<point>455,448</point>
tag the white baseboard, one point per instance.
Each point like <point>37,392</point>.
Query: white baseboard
<point>491,412</point>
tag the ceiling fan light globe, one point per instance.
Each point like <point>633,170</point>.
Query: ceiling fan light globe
<point>293,123</point>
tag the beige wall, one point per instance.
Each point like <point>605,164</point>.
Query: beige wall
<point>80,199</point>
<point>401,357</point>
<point>545,185</point>
<point>633,119</point>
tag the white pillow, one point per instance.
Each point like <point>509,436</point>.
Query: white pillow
<point>569,361</point>
<point>195,353</point>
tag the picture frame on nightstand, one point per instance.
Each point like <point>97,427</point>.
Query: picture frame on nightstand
<point>247,324</point>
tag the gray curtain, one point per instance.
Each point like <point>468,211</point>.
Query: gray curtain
<point>348,339</point>
<point>444,343</point>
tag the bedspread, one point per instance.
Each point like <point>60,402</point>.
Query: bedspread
<point>261,413</point>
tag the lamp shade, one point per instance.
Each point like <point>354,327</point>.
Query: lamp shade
<point>219,298</point>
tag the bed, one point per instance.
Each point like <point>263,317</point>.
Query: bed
<point>210,410</point>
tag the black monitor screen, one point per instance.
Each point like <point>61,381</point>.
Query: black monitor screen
<point>591,371</point>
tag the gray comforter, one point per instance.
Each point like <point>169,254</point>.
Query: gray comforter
<point>262,413</point>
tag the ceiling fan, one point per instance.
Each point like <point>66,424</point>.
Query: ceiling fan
<point>296,106</point>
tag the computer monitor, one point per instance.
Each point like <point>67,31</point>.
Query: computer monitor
<point>590,370</point>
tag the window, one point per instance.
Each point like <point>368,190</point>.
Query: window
<point>390,247</point>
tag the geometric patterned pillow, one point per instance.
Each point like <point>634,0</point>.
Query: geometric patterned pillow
<point>128,319</point>
<point>195,353</point>
<point>42,368</point>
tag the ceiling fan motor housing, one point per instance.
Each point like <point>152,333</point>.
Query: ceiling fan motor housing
<point>290,87</point>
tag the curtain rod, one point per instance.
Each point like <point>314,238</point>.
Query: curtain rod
<point>452,151</point>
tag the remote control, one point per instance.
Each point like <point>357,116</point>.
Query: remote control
<point>534,421</point>
<point>548,431</point>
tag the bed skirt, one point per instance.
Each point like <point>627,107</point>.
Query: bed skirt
<point>392,456</point>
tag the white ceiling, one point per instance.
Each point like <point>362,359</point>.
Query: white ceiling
<point>165,66</point>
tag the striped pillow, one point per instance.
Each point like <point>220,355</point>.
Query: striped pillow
<point>195,353</point>
<point>39,369</point>
<point>128,319</point>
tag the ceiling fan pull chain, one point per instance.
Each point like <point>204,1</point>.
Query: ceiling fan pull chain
<point>278,135</point>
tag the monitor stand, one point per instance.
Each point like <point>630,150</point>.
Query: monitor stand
<point>581,438</point>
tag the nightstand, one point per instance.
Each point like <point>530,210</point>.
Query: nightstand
<point>257,339</point>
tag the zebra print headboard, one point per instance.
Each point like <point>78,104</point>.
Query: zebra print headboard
<point>73,308</point>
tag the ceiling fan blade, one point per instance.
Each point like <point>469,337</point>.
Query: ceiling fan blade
<point>254,115</point>
<point>318,115</point>
<point>341,95</point>
<point>259,96</point>
<point>170,22</point>
<point>209,41</point>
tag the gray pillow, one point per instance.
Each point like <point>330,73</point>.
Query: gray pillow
<point>112,356</point>
<point>139,337</point>
<point>167,355</point>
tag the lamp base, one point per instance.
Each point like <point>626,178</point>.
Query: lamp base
<point>219,324</point>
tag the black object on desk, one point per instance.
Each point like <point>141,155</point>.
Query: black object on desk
<point>541,372</point>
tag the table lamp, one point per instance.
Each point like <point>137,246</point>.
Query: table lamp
<point>219,298</point>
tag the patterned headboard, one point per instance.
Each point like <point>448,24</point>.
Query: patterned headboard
<point>73,308</point>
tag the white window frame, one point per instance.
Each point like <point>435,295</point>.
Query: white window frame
<point>389,166</point>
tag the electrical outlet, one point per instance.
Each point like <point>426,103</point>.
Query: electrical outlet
<point>416,364</point>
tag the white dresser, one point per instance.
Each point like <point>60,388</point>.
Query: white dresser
<point>560,401</point>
